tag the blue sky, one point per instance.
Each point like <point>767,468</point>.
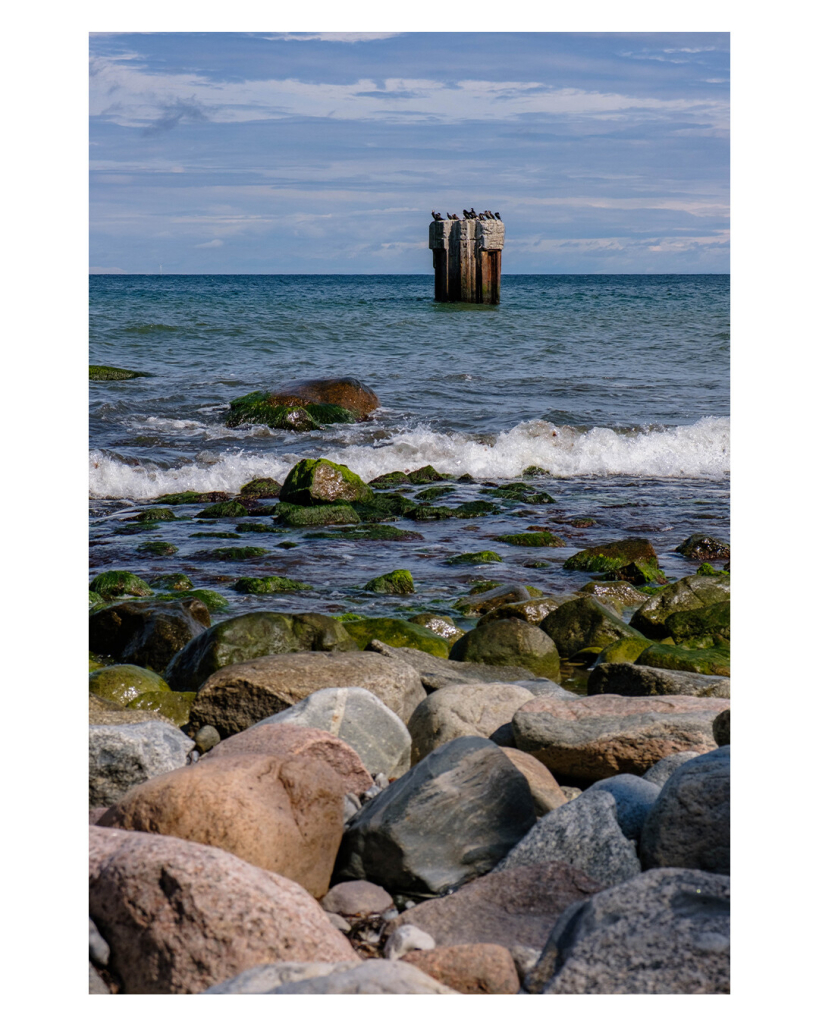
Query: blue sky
<point>325,153</point>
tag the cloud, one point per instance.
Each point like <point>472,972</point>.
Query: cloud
<point>174,113</point>
<point>330,37</point>
<point>214,243</point>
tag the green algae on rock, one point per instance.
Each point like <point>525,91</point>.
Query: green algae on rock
<point>532,539</point>
<point>114,373</point>
<point>474,558</point>
<point>318,515</point>
<point>234,554</point>
<point>585,622</point>
<point>700,546</point>
<point>427,475</point>
<point>122,683</point>
<point>686,594</point>
<point>159,548</point>
<point>710,661</point>
<point>261,487</point>
<point>374,532</point>
<point>175,706</point>
<point>640,573</point>
<point>626,649</point>
<point>383,506</point>
<point>321,482</point>
<point>95,601</point>
<point>211,599</point>
<point>397,633</point>
<point>399,581</point>
<point>262,407</point>
<point>218,535</point>
<point>268,585</point>
<point>259,527</point>
<point>605,557</point>
<point>535,471</point>
<point>153,515</point>
<point>387,480</point>
<point>509,642</point>
<point>443,625</point>
<point>224,510</point>
<point>425,513</point>
<point>173,581</point>
<point>130,529</point>
<point>706,569</point>
<point>701,627</point>
<point>475,509</point>
<point>117,583</point>
<point>431,493</point>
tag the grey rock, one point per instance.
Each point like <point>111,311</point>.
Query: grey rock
<point>355,899</point>
<point>722,728</point>
<point>545,688</point>
<point>337,921</point>
<point>122,756</point>
<point>265,978</point>
<point>690,824</point>
<point>352,805</point>
<point>405,938</point>
<point>631,680</point>
<point>98,949</point>
<point>436,672</point>
<point>662,771</point>
<point>634,797</point>
<point>361,720</point>
<point>686,594</point>
<point>584,833</point>
<point>449,819</point>
<point>665,932</point>
<point>373,977</point>
<point>510,642</point>
<point>96,985</point>
<point>206,739</point>
<point>525,958</point>
<point>571,792</point>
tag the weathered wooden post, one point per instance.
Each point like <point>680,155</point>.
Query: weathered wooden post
<point>466,258</point>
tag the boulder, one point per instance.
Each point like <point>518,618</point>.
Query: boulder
<point>546,793</point>
<point>122,756</point>
<point>509,642</point>
<point>701,627</point>
<point>321,482</point>
<point>584,833</point>
<point>179,916</point>
<point>447,820</point>
<point>443,625</point>
<point>175,706</point>
<point>634,797</point>
<point>373,977</point>
<point>477,969</point>
<point>476,709</point>
<point>534,611</point>
<point>254,635</point>
<point>285,741</point>
<point>688,593</point>
<point>585,622</point>
<point>631,680</point>
<point>397,633</point>
<point>117,583</point>
<point>263,979</point>
<point>479,604</point>
<point>663,770</point>
<point>620,591</point>
<point>399,581</point>
<point>710,661</point>
<point>108,712</point>
<point>238,696</point>
<point>114,373</point>
<point>437,672</point>
<point>318,515</point>
<point>508,908</point>
<point>281,814</point>
<point>348,392</point>
<point>356,899</point>
<point>147,633</point>
<point>702,548</point>
<point>722,728</point>
<point>593,738</point>
<point>665,932</point>
<point>627,649</point>
<point>122,683</point>
<point>689,826</point>
<point>360,719</point>
<point>604,557</point>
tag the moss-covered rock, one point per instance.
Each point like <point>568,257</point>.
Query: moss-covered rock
<point>187,498</point>
<point>236,554</point>
<point>346,392</point>
<point>122,683</point>
<point>95,601</point>
<point>706,569</point>
<point>509,642</point>
<point>268,585</point>
<point>433,493</point>
<point>265,408</point>
<point>687,594</point>
<point>481,586</point>
<point>701,627</point>
<point>173,581</point>
<point>379,532</point>
<point>132,529</point>
<point>217,535</point>
<point>605,557</point>
<point>700,546</point>
<point>532,539</point>
<point>533,611</point>
<point>117,583</point>
<point>640,574</point>
<point>318,515</point>
<point>176,707</point>
<point>534,471</point>
<point>427,475</point>
<point>157,548</point>
<point>224,510</point>
<point>387,480</point>
<point>399,581</point>
<point>211,599</point>
<point>710,661</point>
<point>397,633</point>
<point>585,622</point>
<point>620,591</point>
<point>518,492</point>
<point>261,487</point>
<point>427,513</point>
<point>260,527</point>
<point>475,509</point>
<point>443,625</point>
<point>114,373</point>
<point>383,507</point>
<point>626,649</point>
<point>474,558</point>
<point>154,515</point>
<point>321,482</point>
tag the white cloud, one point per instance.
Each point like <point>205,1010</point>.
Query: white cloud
<point>213,244</point>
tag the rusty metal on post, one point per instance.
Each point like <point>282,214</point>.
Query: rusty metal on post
<point>466,258</point>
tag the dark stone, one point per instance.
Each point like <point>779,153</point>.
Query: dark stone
<point>147,633</point>
<point>509,642</point>
<point>584,622</point>
<point>630,680</point>
<point>702,548</point>
<point>613,556</point>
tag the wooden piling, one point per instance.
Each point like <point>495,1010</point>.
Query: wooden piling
<point>466,258</point>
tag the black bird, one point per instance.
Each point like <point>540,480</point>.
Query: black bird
<point>436,216</point>
<point>489,215</point>
<point>497,216</point>
<point>472,211</point>
<point>449,216</point>
<point>481,216</point>
<point>466,214</point>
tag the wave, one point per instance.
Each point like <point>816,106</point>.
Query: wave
<point>698,450</point>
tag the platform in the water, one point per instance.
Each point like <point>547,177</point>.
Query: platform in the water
<point>466,256</point>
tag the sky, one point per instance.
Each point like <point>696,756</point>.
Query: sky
<point>325,153</point>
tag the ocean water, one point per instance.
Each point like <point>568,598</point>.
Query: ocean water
<point>617,386</point>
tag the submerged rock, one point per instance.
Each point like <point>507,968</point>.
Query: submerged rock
<point>712,661</point>
<point>701,547</point>
<point>605,557</point>
<point>691,592</point>
<point>268,585</point>
<point>117,583</point>
<point>114,373</point>
<point>123,683</point>
<point>322,515</point>
<point>399,581</point>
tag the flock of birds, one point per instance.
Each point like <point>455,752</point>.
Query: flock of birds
<point>468,215</point>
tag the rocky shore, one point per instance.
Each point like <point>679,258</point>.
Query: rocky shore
<point>525,793</point>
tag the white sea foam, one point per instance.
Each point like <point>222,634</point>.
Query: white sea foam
<point>701,449</point>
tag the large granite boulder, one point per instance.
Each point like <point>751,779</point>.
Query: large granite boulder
<point>511,642</point>
<point>665,932</point>
<point>662,771</point>
<point>284,815</point>
<point>254,635</point>
<point>321,482</point>
<point>584,622</point>
<point>359,718</point>
<point>238,696</point>
<point>122,756</point>
<point>477,709</point>
<point>447,820</point>
<point>631,680</point>
<point>592,738</point>
<point>518,907</point>
<point>373,977</point>
<point>689,826</point>
<point>147,633</point>
<point>584,833</point>
<point>533,611</point>
<point>180,917</point>
<point>691,592</point>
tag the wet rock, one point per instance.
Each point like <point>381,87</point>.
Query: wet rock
<point>268,585</point>
<point>122,683</point>
<point>436,672</point>
<point>612,556</point>
<point>180,916</point>
<point>701,627</point>
<point>476,709</point>
<point>665,932</point>
<point>620,591</point>
<point>533,539</point>
<point>260,487</point>
<point>479,604</point>
<point>373,977</point>
<point>357,899</point>
<point>122,756</point>
<point>320,515</point>
<point>533,611</point>
<point>689,593</point>
<point>631,680</point>
<point>108,712</point>
<point>206,738</point>
<point>634,797</point>
<point>255,635</point>
<point>321,482</point>
<point>397,633</point>
<point>399,581</point>
<point>281,814</point>
<point>585,622</point>
<point>509,642</point>
<point>348,392</point>
<point>515,907</point>
<point>360,719</point>
<point>176,707</point>
<point>722,728</point>
<point>173,581</point>
<point>689,826</point>
<point>450,818</point>
<point>711,661</point>
<point>443,625</point>
<point>584,833</point>
<point>113,373</point>
<point>405,939</point>
<point>701,547</point>
<point>116,583</point>
<point>474,558</point>
<point>625,650</point>
<point>285,741</point>
<point>641,574</point>
<point>594,738</point>
<point>477,969</point>
<point>546,793</point>
<point>238,696</point>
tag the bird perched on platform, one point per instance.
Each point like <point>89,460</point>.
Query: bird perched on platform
<point>497,216</point>
<point>489,215</point>
<point>472,211</point>
<point>436,216</point>
<point>466,214</point>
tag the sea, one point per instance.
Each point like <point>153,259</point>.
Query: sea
<point>615,386</point>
